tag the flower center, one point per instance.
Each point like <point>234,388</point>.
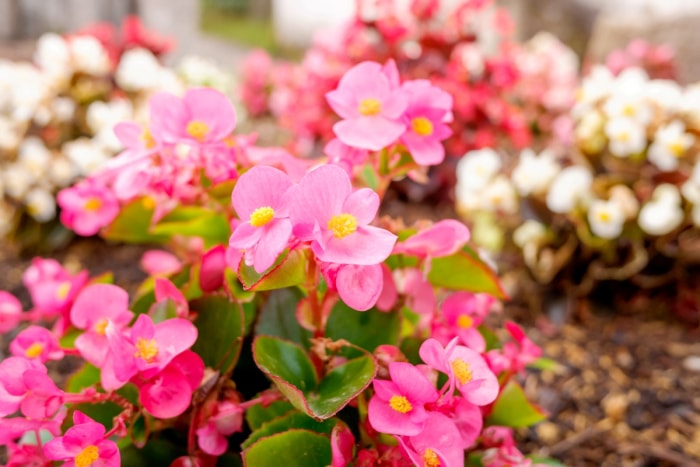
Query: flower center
<point>146,349</point>
<point>422,126</point>
<point>342,225</point>
<point>604,216</point>
<point>198,130</point>
<point>262,216</point>
<point>677,148</point>
<point>629,110</point>
<point>100,326</point>
<point>400,404</point>
<point>462,370</point>
<point>92,204</point>
<point>87,456</point>
<point>147,138</point>
<point>369,106</point>
<point>465,321</point>
<point>148,203</point>
<point>430,459</point>
<point>623,136</point>
<point>63,290</point>
<point>34,350</point>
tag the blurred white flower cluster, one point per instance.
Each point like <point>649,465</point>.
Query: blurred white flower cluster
<point>629,180</point>
<point>57,114</point>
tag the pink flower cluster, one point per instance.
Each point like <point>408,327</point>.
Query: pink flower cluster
<point>659,61</point>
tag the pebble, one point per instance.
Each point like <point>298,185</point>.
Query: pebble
<point>692,363</point>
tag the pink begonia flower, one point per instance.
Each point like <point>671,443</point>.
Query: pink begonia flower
<point>164,290</point>
<point>466,416</point>
<point>226,420</point>
<point>439,444</point>
<point>25,385</point>
<point>443,238</point>
<point>496,436</point>
<point>506,456</point>
<point>463,313</point>
<point>280,158</point>
<point>358,286</point>
<point>202,116</point>
<point>398,406</point>
<point>342,445</point>
<point>371,106</point>
<point>211,274</point>
<point>466,369</point>
<point>10,312</point>
<point>168,393</point>
<point>51,287</point>
<point>336,220</point>
<point>429,108</point>
<point>87,207</point>
<point>261,201</point>
<point>389,295</point>
<point>84,445</point>
<point>26,455</point>
<point>514,356</point>
<point>419,292</point>
<point>36,342</point>
<point>345,156</point>
<point>93,310</point>
<point>160,263</point>
<point>14,428</point>
<point>147,346</point>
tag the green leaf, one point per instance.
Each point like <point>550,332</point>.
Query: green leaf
<point>220,326</point>
<point>513,409</point>
<point>155,452</point>
<point>257,414</point>
<point>367,329</point>
<point>196,222</point>
<point>139,430</point>
<point>491,339</point>
<point>287,422</point>
<point>464,270</point>
<point>341,385</point>
<point>288,270</point>
<point>88,375</point>
<point>295,448</point>
<point>278,317</point>
<point>133,224</point>
<point>285,361</point>
<point>545,461</point>
<point>546,364</point>
<point>235,288</point>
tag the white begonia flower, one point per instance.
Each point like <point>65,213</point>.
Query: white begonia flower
<point>86,155</point>
<point>53,56</point>
<point>168,81</point>
<point>534,173</point>
<point>34,156</point>
<point>41,204</point>
<point>663,213</point>
<point>569,188</point>
<point>476,169</point>
<point>89,56</point>
<point>63,108</point>
<point>529,232</point>
<point>665,93</point>
<point>606,218</point>
<point>499,195</point>
<point>594,87</point>
<point>201,71</point>
<point>695,215</point>
<point>9,134</point>
<point>625,198</point>
<point>17,180</point>
<point>62,172</point>
<point>690,104</point>
<point>138,70</point>
<point>28,92</point>
<point>626,137</point>
<point>632,107</point>
<point>102,117</point>
<point>671,142</point>
<point>691,187</point>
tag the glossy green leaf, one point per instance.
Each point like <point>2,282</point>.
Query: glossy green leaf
<point>541,460</point>
<point>294,448</point>
<point>235,288</point>
<point>220,326</point>
<point>155,452</point>
<point>464,270</point>
<point>367,329</point>
<point>285,361</point>
<point>139,429</point>
<point>278,317</point>
<point>513,409</point>
<point>88,375</point>
<point>133,224</point>
<point>341,385</point>
<point>287,422</point>
<point>546,364</point>
<point>288,270</point>
<point>197,222</point>
<point>257,414</point>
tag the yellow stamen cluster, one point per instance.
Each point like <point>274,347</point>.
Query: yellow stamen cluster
<point>147,138</point>
<point>100,326</point>
<point>87,456</point>
<point>369,106</point>
<point>677,148</point>
<point>34,350</point>
<point>198,130</point>
<point>430,459</point>
<point>465,321</point>
<point>400,404</point>
<point>462,371</point>
<point>342,225</point>
<point>604,216</point>
<point>261,216</point>
<point>63,290</point>
<point>422,126</point>
<point>92,204</point>
<point>146,349</point>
